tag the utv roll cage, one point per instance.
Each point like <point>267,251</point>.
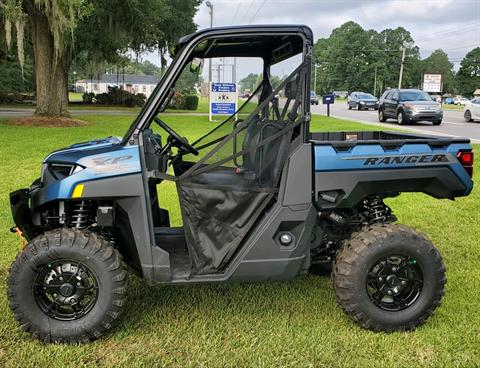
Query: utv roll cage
<point>265,41</point>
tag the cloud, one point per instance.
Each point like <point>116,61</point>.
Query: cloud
<point>452,25</point>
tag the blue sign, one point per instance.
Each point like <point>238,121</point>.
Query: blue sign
<point>223,99</point>
<point>222,108</point>
<point>224,87</point>
<point>328,99</point>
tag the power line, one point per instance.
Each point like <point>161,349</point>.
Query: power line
<point>236,11</point>
<point>248,11</point>
<point>449,30</point>
<point>258,10</point>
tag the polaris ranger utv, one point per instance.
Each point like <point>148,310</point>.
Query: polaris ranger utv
<point>261,197</point>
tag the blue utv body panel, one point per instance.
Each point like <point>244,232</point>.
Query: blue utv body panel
<point>328,158</point>
<point>100,159</point>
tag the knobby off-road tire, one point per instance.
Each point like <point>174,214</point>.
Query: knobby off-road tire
<point>85,268</point>
<point>357,263</point>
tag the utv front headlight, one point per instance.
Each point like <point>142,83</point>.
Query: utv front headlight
<point>58,171</point>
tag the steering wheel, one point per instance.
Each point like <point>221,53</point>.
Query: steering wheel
<point>177,141</point>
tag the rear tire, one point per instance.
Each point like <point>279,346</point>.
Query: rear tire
<point>437,122</point>
<point>359,107</point>
<point>381,116</point>
<point>57,276</point>
<point>386,300</point>
<point>349,106</point>
<point>468,116</point>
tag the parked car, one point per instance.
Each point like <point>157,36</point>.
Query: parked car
<point>448,100</point>
<point>471,111</point>
<point>340,94</point>
<point>409,105</point>
<point>362,100</point>
<point>313,98</point>
<point>461,101</point>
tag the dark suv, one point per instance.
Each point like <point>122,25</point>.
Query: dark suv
<point>409,105</point>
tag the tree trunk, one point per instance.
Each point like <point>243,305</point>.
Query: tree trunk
<point>51,73</point>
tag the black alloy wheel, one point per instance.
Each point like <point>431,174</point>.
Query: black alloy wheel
<point>394,282</point>
<point>65,290</point>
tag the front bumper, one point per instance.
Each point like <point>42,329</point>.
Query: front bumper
<point>22,213</point>
<point>369,105</point>
<point>413,115</point>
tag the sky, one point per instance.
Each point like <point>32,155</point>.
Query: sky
<point>452,25</point>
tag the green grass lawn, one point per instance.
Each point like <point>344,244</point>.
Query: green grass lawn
<point>75,96</point>
<point>293,324</point>
<point>452,107</point>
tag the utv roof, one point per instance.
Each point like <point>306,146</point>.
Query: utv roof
<point>274,42</point>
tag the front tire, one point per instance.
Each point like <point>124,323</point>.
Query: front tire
<point>401,119</point>
<point>437,122</point>
<point>381,116</point>
<point>67,286</point>
<point>389,278</point>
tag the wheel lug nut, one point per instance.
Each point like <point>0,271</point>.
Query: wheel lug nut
<point>394,269</point>
<point>403,282</point>
<point>389,292</point>
<point>380,279</point>
<point>61,278</point>
<point>55,295</point>
<point>78,284</point>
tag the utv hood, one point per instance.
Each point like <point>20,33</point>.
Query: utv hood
<point>76,152</point>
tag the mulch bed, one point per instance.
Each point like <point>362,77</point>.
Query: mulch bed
<point>47,122</point>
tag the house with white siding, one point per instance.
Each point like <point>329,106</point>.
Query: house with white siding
<point>132,83</point>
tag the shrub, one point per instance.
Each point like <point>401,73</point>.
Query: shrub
<point>88,97</point>
<point>16,98</point>
<point>177,102</point>
<point>117,96</point>
<point>191,102</point>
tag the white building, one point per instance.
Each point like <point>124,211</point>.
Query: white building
<point>132,83</point>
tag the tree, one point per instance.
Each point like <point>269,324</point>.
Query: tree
<point>51,24</point>
<point>93,31</point>
<point>250,82</point>
<point>468,76</point>
<point>350,58</point>
<point>438,63</point>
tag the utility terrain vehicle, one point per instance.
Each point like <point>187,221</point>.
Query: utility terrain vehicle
<point>261,197</point>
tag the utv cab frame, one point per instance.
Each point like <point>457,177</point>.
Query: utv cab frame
<point>261,199</point>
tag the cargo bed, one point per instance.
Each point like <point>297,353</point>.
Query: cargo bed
<point>349,166</point>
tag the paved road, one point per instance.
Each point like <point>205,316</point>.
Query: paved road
<point>452,125</point>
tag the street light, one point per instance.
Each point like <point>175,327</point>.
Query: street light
<point>406,44</point>
<point>210,6</point>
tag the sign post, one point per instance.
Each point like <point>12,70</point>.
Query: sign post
<point>432,83</point>
<point>223,99</point>
<point>327,100</point>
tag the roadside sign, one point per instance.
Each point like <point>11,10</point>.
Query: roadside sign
<point>328,100</point>
<point>223,99</point>
<point>432,82</point>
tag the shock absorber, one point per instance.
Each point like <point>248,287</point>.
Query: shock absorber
<point>80,211</point>
<point>377,210</point>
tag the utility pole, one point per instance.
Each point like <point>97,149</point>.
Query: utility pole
<point>315,78</point>
<point>210,6</point>
<point>404,48</point>
<point>375,83</point>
